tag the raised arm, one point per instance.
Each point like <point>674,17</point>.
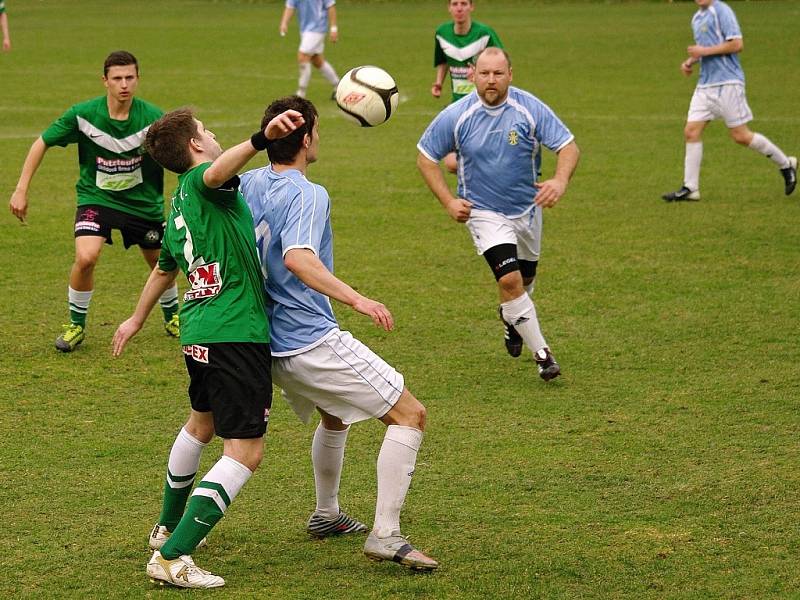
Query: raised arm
<point>309,269</point>
<point>230,162</point>
<point>457,208</point>
<point>551,190</point>
<point>19,199</point>
<point>158,283</point>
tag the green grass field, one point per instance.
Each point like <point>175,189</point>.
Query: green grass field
<point>663,464</point>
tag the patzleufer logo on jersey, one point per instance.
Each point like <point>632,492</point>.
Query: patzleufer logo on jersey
<point>206,281</point>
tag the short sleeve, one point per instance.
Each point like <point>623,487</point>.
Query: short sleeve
<point>439,57</point>
<point>63,130</point>
<point>306,217</point>
<point>494,39</point>
<point>166,262</point>
<point>550,130</point>
<point>291,3</point>
<point>438,140</point>
<point>729,25</point>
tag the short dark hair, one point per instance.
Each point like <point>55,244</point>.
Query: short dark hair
<point>120,58</point>
<point>284,150</point>
<point>167,140</point>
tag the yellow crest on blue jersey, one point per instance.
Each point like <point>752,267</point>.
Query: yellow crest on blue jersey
<point>513,137</point>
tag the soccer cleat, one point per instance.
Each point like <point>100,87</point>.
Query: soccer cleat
<point>173,326</point>
<point>71,338</point>
<point>681,195</point>
<point>790,175</point>
<point>181,572</point>
<point>159,536</point>
<point>512,338</point>
<point>321,527</point>
<point>548,367</point>
<point>396,548</point>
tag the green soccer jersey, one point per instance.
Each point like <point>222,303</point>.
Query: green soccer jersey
<point>2,7</point>
<point>459,51</point>
<point>115,171</point>
<point>211,238</point>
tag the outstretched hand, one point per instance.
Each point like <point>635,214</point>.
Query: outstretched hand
<point>283,125</point>
<point>124,333</point>
<point>379,314</point>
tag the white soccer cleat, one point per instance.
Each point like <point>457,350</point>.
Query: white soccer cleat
<point>159,536</point>
<point>396,548</point>
<point>181,572</point>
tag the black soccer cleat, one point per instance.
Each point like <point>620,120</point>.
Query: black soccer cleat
<point>512,338</point>
<point>548,367</point>
<point>682,195</point>
<point>790,176</point>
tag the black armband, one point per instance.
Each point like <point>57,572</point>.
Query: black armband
<point>259,141</point>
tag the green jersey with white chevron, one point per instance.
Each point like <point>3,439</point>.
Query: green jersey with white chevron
<point>459,52</point>
<point>115,171</point>
<point>211,238</point>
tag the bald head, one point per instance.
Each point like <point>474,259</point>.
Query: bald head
<point>493,76</point>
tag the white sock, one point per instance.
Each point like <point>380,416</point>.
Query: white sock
<point>521,313</point>
<point>328,73</point>
<point>396,462</point>
<point>529,288</point>
<point>184,459</point>
<point>227,473</point>
<point>79,301</point>
<point>169,299</point>
<point>691,168</point>
<point>327,456</point>
<point>762,145</point>
<point>305,77</point>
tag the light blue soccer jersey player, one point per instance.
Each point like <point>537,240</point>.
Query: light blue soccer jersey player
<point>720,94</point>
<point>317,365</point>
<point>497,132</point>
<point>316,18</point>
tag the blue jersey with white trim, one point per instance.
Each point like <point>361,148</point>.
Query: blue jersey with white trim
<point>713,26</point>
<point>498,148</point>
<point>312,15</point>
<point>291,212</point>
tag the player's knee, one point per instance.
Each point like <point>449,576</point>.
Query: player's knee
<point>691,133</point>
<point>202,432</point>
<point>742,138</point>
<point>86,261</point>
<point>511,284</point>
<point>407,412</point>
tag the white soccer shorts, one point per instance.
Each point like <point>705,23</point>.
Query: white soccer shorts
<point>341,376</point>
<point>727,102</point>
<point>312,43</point>
<point>489,229</point>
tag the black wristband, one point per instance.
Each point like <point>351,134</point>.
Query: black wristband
<point>259,141</point>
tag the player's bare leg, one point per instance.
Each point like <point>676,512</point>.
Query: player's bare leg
<point>81,287</point>
<point>405,423</point>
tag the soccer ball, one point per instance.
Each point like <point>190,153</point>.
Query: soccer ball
<point>367,96</point>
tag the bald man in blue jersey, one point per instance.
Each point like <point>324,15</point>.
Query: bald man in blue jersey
<point>720,94</point>
<point>497,132</point>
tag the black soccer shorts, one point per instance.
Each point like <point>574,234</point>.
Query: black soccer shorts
<point>93,219</point>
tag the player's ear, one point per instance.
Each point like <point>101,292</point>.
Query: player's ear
<point>195,145</point>
<point>306,140</point>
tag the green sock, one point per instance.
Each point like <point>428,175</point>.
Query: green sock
<point>169,303</point>
<point>201,515</point>
<point>174,500</point>
<point>78,306</point>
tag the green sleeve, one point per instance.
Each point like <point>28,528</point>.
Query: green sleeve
<point>217,196</point>
<point>494,39</point>
<point>166,262</point>
<point>438,54</point>
<point>63,130</point>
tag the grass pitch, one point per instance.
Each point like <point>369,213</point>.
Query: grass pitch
<point>663,464</point>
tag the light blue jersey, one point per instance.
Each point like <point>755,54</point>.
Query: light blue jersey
<point>291,212</point>
<point>312,15</point>
<point>498,148</point>
<point>712,26</point>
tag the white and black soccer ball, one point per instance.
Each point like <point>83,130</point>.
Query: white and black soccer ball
<point>367,95</point>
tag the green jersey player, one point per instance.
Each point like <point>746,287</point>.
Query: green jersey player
<point>119,187</point>
<point>225,334</point>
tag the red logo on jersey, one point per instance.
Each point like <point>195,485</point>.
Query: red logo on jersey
<point>198,353</point>
<point>205,280</point>
<point>353,98</point>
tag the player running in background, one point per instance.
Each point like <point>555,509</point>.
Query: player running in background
<point>120,186</point>
<point>4,27</point>
<point>316,18</point>
<point>314,363</point>
<point>225,334</point>
<point>720,94</point>
<point>498,130</point>
<point>455,46</point>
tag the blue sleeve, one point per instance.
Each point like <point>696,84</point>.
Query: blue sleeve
<point>728,23</point>
<point>439,138</point>
<point>329,3</point>
<point>306,216</point>
<point>247,185</point>
<point>550,131</point>
<point>291,3</point>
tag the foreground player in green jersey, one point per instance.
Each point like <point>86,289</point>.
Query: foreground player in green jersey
<point>120,187</point>
<point>225,334</point>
